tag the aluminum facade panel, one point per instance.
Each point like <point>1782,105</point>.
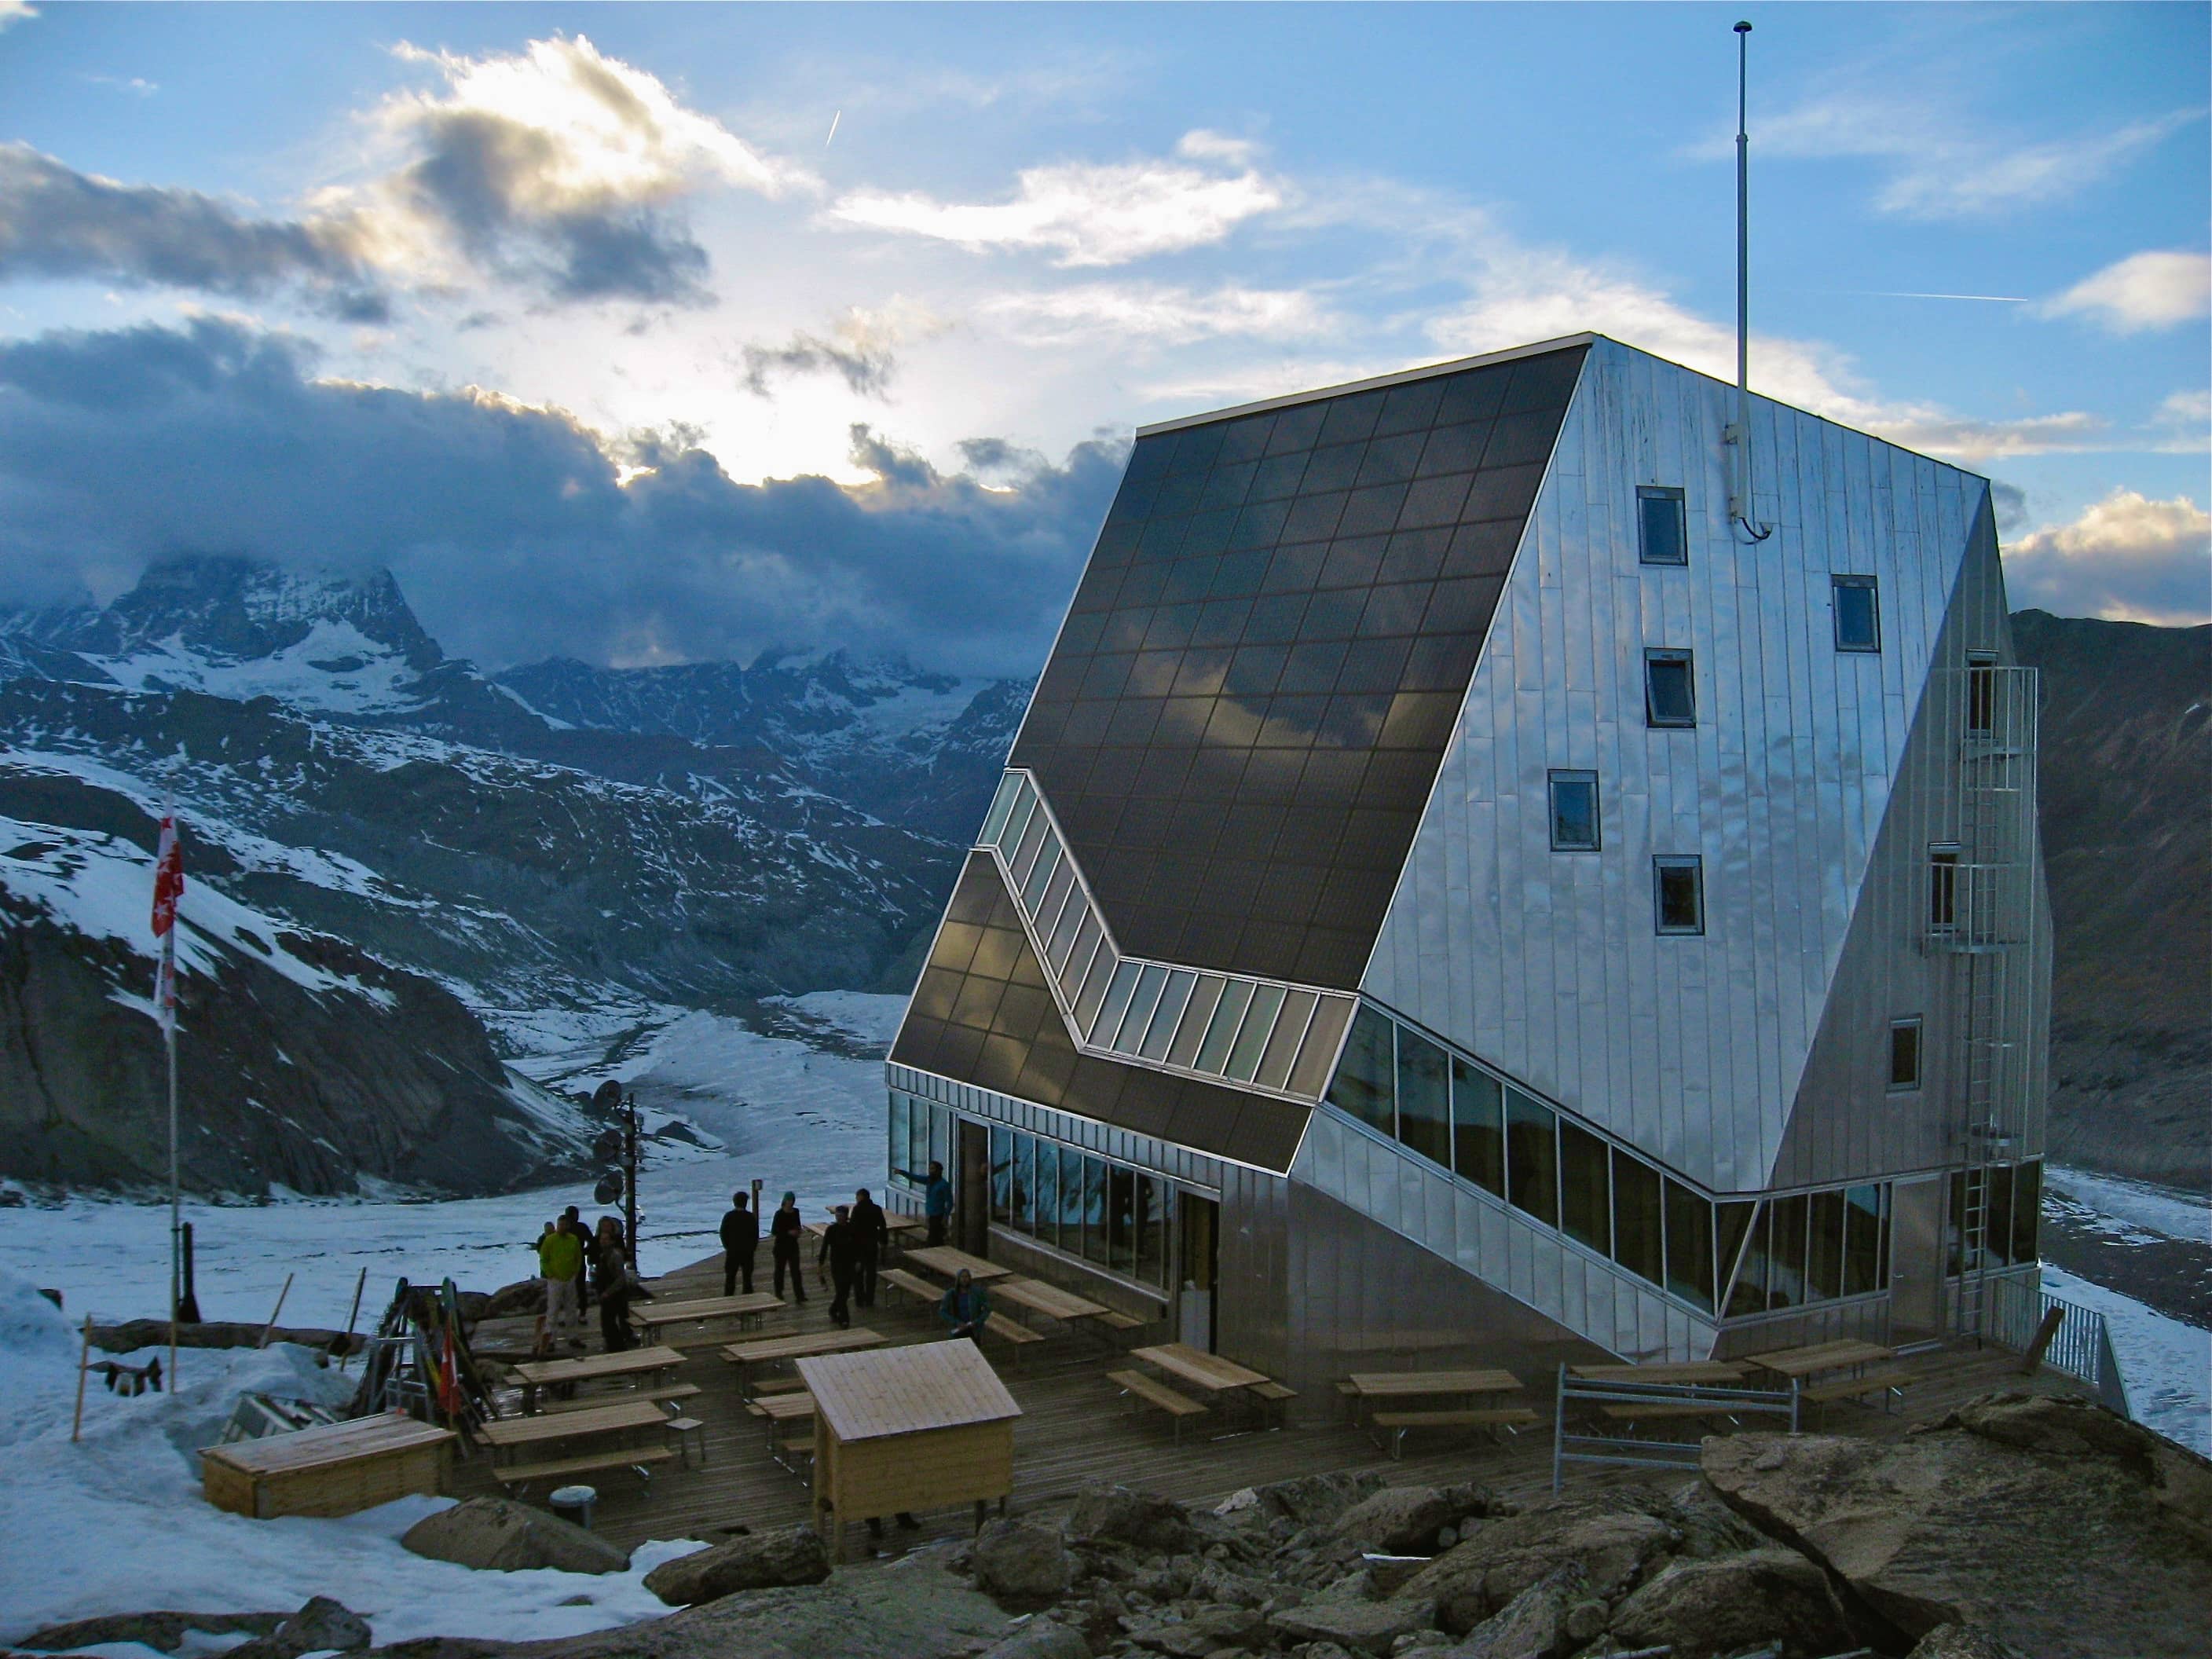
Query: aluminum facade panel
<point>1547,964</point>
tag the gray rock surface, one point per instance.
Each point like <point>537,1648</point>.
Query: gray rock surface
<point>1400,1519</point>
<point>1041,1638</point>
<point>497,1535</point>
<point>1957,1642</point>
<point>761,1560</point>
<point>163,1631</point>
<point>1308,1500</point>
<point>1532,1625</point>
<point>1359,1626</point>
<point>2067,1536</point>
<point>1612,1543</point>
<point>1020,1562</point>
<point>1120,1515</point>
<point>1725,1604</point>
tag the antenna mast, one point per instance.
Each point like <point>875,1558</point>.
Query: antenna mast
<point>1739,433</point>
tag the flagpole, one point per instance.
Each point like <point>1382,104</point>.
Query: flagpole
<point>176,1203</point>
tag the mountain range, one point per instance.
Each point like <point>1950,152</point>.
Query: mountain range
<point>435,875</point>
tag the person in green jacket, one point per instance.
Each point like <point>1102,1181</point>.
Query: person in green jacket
<point>560,1264</point>
<point>966,1308</point>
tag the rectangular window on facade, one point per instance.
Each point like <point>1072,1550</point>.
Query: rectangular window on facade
<point>1638,1225</point>
<point>1574,812</point>
<point>1997,1226</point>
<point>1670,697</point>
<point>1363,1085</point>
<point>1785,1252</point>
<point>1424,1098</point>
<point>1024,1182</point>
<point>1981,693</point>
<point>1824,1269</point>
<point>1689,1246</point>
<point>1585,1198</point>
<point>1862,1241</point>
<point>1678,888</point>
<point>1152,1231</point>
<point>1120,1219</point>
<point>1094,1211</point>
<point>1904,1055</point>
<point>900,1105</point>
<point>2026,1207</point>
<point>1532,1157</point>
<point>1478,1127</point>
<point>1662,533</point>
<point>1858,613</point>
<point>1943,889</point>
<point>1002,1177</point>
<point>1047,1224</point>
<point>1748,1293</point>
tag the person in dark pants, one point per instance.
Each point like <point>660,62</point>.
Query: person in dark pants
<point>572,1219</point>
<point>875,1238</point>
<point>966,1308</point>
<point>740,1239</point>
<point>611,1278</point>
<point>841,1249</point>
<point>784,1230</point>
<point>936,1201</point>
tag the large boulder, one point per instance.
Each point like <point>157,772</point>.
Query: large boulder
<point>321,1626</point>
<point>1142,1520</point>
<point>1534,1625</point>
<point>1401,1520</point>
<point>1499,1558</point>
<point>1726,1604</point>
<point>2085,1547</point>
<point>1019,1562</point>
<point>497,1535</point>
<point>1041,1638</point>
<point>1311,1500</point>
<point>1355,1626</point>
<point>760,1560</point>
<point>163,1631</point>
<point>1957,1642</point>
<point>2067,1428</point>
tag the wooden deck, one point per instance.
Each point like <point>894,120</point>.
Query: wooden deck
<point>1076,1430</point>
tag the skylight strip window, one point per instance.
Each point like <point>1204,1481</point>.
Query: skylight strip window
<point>1053,904</point>
<point>1018,821</point>
<point>1252,1037</point>
<point>1002,806</point>
<point>1078,961</point>
<point>1283,1045</point>
<point>1195,1015</point>
<point>1152,980</point>
<point>1162,1029</point>
<point>1033,842</point>
<point>1214,1051</point>
<point>1123,986</point>
<point>1065,930</point>
<point>1040,876</point>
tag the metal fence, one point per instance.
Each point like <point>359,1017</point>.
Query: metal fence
<point>2083,1346</point>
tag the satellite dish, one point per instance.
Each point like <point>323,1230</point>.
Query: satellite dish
<point>609,1188</point>
<point>607,1096</point>
<point>609,1145</point>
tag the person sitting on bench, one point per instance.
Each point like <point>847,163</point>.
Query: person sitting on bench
<point>966,1308</point>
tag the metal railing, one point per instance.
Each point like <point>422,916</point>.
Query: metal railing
<point>2082,1347</point>
<point>1664,1401</point>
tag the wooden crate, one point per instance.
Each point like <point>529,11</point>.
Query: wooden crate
<point>333,1469</point>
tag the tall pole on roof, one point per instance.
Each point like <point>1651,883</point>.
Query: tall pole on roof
<point>1739,433</point>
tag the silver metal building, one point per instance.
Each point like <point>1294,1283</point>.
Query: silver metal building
<point>1458,893</point>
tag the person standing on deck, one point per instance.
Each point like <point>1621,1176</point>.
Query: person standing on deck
<point>936,1201</point>
<point>572,1219</point>
<point>611,1278</point>
<point>841,1249</point>
<point>740,1239</point>
<point>784,1228</point>
<point>875,1238</point>
<point>560,1264</point>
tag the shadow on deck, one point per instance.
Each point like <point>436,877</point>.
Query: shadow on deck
<point>1076,1430</point>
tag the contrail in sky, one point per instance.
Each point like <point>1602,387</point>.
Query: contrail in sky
<point>1890,294</point>
<point>833,128</point>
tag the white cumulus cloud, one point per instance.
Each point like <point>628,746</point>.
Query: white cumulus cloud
<point>2142,291</point>
<point>1155,313</point>
<point>2127,558</point>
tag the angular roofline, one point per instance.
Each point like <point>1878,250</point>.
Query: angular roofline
<point>1537,349</point>
<point>1400,377</point>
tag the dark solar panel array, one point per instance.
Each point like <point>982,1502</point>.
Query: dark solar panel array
<point>1247,706</point>
<point>981,1014</point>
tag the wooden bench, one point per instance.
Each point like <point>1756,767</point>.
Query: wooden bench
<point>1149,1391</point>
<point>1012,1331</point>
<point>913,1284</point>
<point>1889,1380</point>
<point>1275,1394</point>
<point>637,1457</point>
<point>659,1397</point>
<point>1396,1425</point>
<point>1115,1320</point>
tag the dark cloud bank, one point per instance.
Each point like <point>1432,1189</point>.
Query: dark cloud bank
<point>507,527</point>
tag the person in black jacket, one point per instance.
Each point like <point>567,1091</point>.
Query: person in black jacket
<point>611,1278</point>
<point>740,1239</point>
<point>875,1238</point>
<point>841,1249</point>
<point>784,1228</point>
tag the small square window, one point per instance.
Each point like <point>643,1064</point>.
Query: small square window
<point>1678,886</point>
<point>1858,613</point>
<point>1574,812</point>
<point>1670,696</point>
<point>1904,1055</point>
<point>1662,537</point>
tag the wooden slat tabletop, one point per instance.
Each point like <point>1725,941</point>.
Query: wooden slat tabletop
<point>802,1347</point>
<point>1209,1371</point>
<point>1693,1371</point>
<point>1047,1299</point>
<point>1821,1356</point>
<point>541,1373</point>
<point>624,1414</point>
<point>708,1307</point>
<point>783,1408</point>
<point>944,1259</point>
<point>1401,1385</point>
<point>327,1443</point>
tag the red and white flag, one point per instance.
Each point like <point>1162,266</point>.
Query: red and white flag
<point>168,888</point>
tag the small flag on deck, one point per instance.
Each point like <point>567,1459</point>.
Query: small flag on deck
<point>168,888</point>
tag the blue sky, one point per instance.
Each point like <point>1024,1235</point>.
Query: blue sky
<point>614,259</point>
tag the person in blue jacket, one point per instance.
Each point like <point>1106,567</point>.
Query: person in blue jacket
<point>936,1201</point>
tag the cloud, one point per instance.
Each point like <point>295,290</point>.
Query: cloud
<point>563,166</point>
<point>2010,502</point>
<point>860,349</point>
<point>1087,215</point>
<point>57,222</point>
<point>16,11</point>
<point>2142,291</point>
<point>1157,314</point>
<point>1937,170</point>
<point>2127,558</point>
<point>2183,423</point>
<point>121,447</point>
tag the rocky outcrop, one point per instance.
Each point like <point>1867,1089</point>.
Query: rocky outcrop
<point>322,1626</point>
<point>761,1560</point>
<point>1611,1545</point>
<point>2048,1524</point>
<point>496,1534</point>
<point>163,1630</point>
<point>1731,1603</point>
<point>1021,1563</point>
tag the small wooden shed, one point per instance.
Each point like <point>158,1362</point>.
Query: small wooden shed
<point>921,1427</point>
<point>333,1469</point>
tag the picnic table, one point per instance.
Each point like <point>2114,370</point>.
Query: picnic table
<point>536,1374</point>
<point>945,1259</point>
<point>894,1221</point>
<point>1399,1385</point>
<point>650,1317</point>
<point>620,1419</point>
<point>1692,1373</point>
<point>1049,1300</point>
<point>1201,1369</point>
<point>1798,1364</point>
<point>745,1355</point>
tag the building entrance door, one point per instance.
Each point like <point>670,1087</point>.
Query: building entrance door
<point>971,1189</point>
<point>1199,1225</point>
<point>1915,1262</point>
